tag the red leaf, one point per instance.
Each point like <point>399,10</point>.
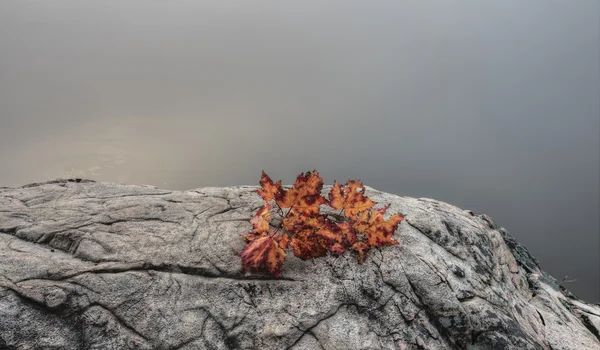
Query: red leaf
<point>264,253</point>
<point>269,189</point>
<point>310,234</point>
<point>306,245</point>
<point>361,248</point>
<point>261,220</point>
<point>346,197</point>
<point>305,196</point>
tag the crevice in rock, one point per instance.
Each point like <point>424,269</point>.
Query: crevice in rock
<point>541,317</point>
<point>10,230</point>
<point>136,195</point>
<point>238,219</point>
<point>432,318</point>
<point>110,223</point>
<point>585,319</point>
<point>222,211</point>
<point>166,268</point>
<point>310,328</point>
<point>122,322</point>
<point>426,235</point>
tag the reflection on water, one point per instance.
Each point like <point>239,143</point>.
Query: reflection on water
<point>169,152</point>
<point>91,166</point>
<point>97,150</point>
<point>105,150</point>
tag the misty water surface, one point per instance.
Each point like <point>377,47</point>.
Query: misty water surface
<point>492,106</point>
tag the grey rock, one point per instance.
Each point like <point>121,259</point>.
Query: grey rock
<point>86,265</point>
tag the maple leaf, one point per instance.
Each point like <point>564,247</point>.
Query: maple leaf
<point>261,220</point>
<point>312,238</point>
<point>377,230</point>
<point>308,204</point>
<point>381,234</point>
<point>293,221</point>
<point>269,189</point>
<point>325,229</point>
<point>306,245</point>
<point>346,197</point>
<point>319,226</point>
<point>315,235</point>
<point>337,249</point>
<point>250,236</point>
<point>348,235</point>
<point>362,223</point>
<point>283,241</point>
<point>361,248</point>
<point>264,252</point>
<point>305,195</point>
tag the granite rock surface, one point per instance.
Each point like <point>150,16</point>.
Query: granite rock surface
<point>86,265</point>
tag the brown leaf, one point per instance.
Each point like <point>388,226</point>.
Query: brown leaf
<point>250,236</point>
<point>310,234</point>
<point>305,196</point>
<point>261,220</point>
<point>265,253</point>
<point>269,189</point>
<point>346,197</point>
<point>293,221</point>
<point>283,241</point>
<point>361,248</point>
<point>348,235</point>
<point>337,249</point>
<point>306,245</point>
<point>327,230</point>
<point>380,231</point>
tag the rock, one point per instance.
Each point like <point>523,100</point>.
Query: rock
<point>87,265</point>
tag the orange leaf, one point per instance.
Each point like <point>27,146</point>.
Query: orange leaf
<point>283,241</point>
<point>269,189</point>
<point>380,231</point>
<point>305,196</point>
<point>313,235</point>
<point>306,246</point>
<point>337,249</point>
<point>261,220</point>
<point>309,204</point>
<point>263,252</point>
<point>309,183</point>
<point>346,197</point>
<point>366,219</point>
<point>328,231</point>
<point>361,248</point>
<point>361,224</point>
<point>348,235</point>
<point>293,221</point>
<point>250,236</point>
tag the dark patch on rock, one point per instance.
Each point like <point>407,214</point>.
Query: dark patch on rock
<point>458,272</point>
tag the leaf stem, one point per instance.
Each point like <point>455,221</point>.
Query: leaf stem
<point>281,223</point>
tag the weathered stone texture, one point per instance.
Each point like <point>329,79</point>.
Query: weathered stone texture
<point>87,265</point>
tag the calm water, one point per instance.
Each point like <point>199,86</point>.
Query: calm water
<point>489,106</point>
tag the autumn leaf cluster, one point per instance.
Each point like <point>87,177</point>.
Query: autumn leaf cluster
<point>309,233</point>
